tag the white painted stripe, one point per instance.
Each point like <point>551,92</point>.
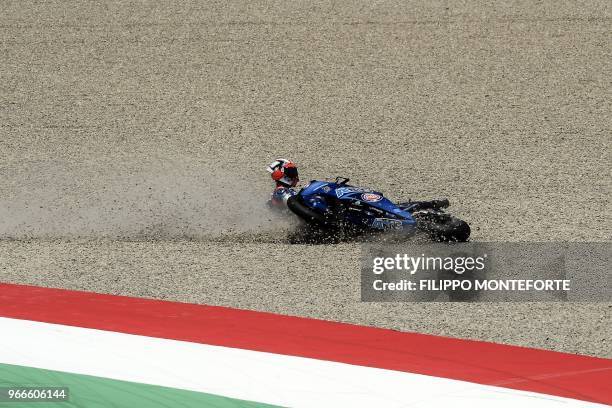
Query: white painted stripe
<point>248,375</point>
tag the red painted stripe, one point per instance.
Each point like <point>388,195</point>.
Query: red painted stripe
<point>566,375</point>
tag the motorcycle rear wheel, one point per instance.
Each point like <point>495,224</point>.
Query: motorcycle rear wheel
<point>307,214</point>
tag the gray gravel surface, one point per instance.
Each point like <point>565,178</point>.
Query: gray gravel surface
<point>133,137</point>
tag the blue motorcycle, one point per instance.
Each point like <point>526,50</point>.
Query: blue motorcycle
<point>336,206</point>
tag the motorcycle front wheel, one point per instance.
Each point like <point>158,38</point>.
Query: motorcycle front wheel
<point>448,229</point>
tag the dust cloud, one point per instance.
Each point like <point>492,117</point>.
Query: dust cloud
<point>141,201</point>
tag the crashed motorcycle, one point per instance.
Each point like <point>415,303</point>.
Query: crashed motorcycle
<point>336,206</point>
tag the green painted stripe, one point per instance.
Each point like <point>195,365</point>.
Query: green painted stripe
<point>96,392</point>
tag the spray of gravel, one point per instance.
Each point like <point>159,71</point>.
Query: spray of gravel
<point>144,201</point>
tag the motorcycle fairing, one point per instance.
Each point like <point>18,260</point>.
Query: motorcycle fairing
<point>366,208</point>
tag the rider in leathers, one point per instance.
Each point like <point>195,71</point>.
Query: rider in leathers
<point>285,175</point>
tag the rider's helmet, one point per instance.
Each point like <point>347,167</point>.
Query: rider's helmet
<point>284,172</point>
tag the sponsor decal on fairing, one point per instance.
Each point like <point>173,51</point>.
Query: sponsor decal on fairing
<point>371,197</point>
